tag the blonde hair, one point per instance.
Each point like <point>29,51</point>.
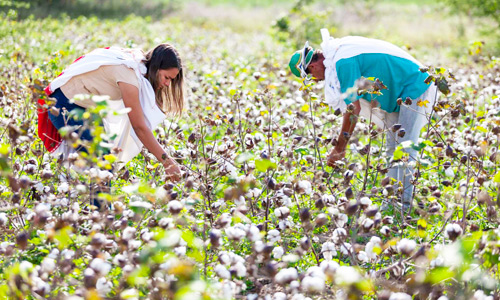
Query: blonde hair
<point>169,99</point>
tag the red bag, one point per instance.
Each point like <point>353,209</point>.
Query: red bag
<point>46,130</point>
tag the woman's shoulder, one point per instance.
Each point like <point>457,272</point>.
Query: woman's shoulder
<point>120,73</point>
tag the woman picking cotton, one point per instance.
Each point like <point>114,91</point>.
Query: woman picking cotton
<point>148,85</point>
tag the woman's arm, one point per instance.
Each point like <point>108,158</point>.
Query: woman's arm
<point>130,94</point>
<point>348,124</point>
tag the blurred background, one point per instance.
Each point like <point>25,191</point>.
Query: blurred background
<point>454,27</point>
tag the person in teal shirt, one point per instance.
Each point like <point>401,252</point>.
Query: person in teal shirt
<point>351,64</point>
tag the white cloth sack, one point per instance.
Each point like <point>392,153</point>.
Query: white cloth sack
<point>119,124</point>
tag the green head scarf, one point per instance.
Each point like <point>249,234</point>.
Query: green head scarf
<point>300,60</point>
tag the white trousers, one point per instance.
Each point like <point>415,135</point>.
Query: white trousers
<point>412,119</point>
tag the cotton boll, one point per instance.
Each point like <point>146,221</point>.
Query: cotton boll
<point>313,284</point>
<point>345,248</point>
<point>341,220</point>
<point>346,275</point>
<point>103,286</point>
<point>285,276</point>
<point>452,231</point>
<point>339,235</point>
<point>234,233</point>
<point>449,172</point>
<point>273,235</point>
<point>253,233</point>
<point>362,256</point>
<point>304,187</point>
<point>329,267</point>
<point>222,272</point>
<point>282,212</point>
<point>3,219</point>
<point>367,224</point>
<point>279,296</point>
<point>174,207</point>
<point>400,296</point>
<point>128,233</point>
<point>406,246</point>
<point>372,247</point>
<point>278,252</point>
<point>328,250</point>
<point>48,265</point>
<point>239,269</point>
<point>100,266</point>
<point>365,202</point>
<point>63,187</point>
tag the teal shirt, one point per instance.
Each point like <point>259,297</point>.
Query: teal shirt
<point>401,76</point>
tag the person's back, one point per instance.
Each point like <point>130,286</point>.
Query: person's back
<point>370,58</point>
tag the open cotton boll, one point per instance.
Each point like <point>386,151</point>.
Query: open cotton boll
<point>304,187</point>
<point>222,272</point>
<point>48,265</point>
<point>285,276</point>
<point>278,252</point>
<point>406,246</point>
<point>328,250</point>
<point>346,275</point>
<point>273,235</point>
<point>100,266</point>
<point>400,296</point>
<point>103,286</point>
<point>234,233</point>
<point>452,231</point>
<point>339,235</point>
<point>313,284</point>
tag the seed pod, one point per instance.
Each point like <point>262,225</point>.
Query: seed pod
<point>319,203</point>
<point>395,127</point>
<point>449,151</point>
<point>214,238</point>
<point>408,101</point>
<point>446,182</point>
<point>352,208</point>
<point>22,240</point>
<point>271,184</point>
<point>47,174</point>
<point>305,215</point>
<point>401,132</point>
<point>305,244</point>
<point>349,193</point>
<point>321,220</point>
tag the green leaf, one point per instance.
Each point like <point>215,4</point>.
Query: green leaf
<point>264,164</point>
<point>398,154</point>
<point>439,275</point>
<point>482,129</point>
<point>497,177</point>
<point>4,149</point>
<point>303,151</point>
<point>62,238</point>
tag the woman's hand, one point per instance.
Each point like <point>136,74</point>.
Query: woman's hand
<point>172,169</point>
<point>334,156</point>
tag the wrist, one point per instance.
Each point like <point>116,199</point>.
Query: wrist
<point>165,160</point>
